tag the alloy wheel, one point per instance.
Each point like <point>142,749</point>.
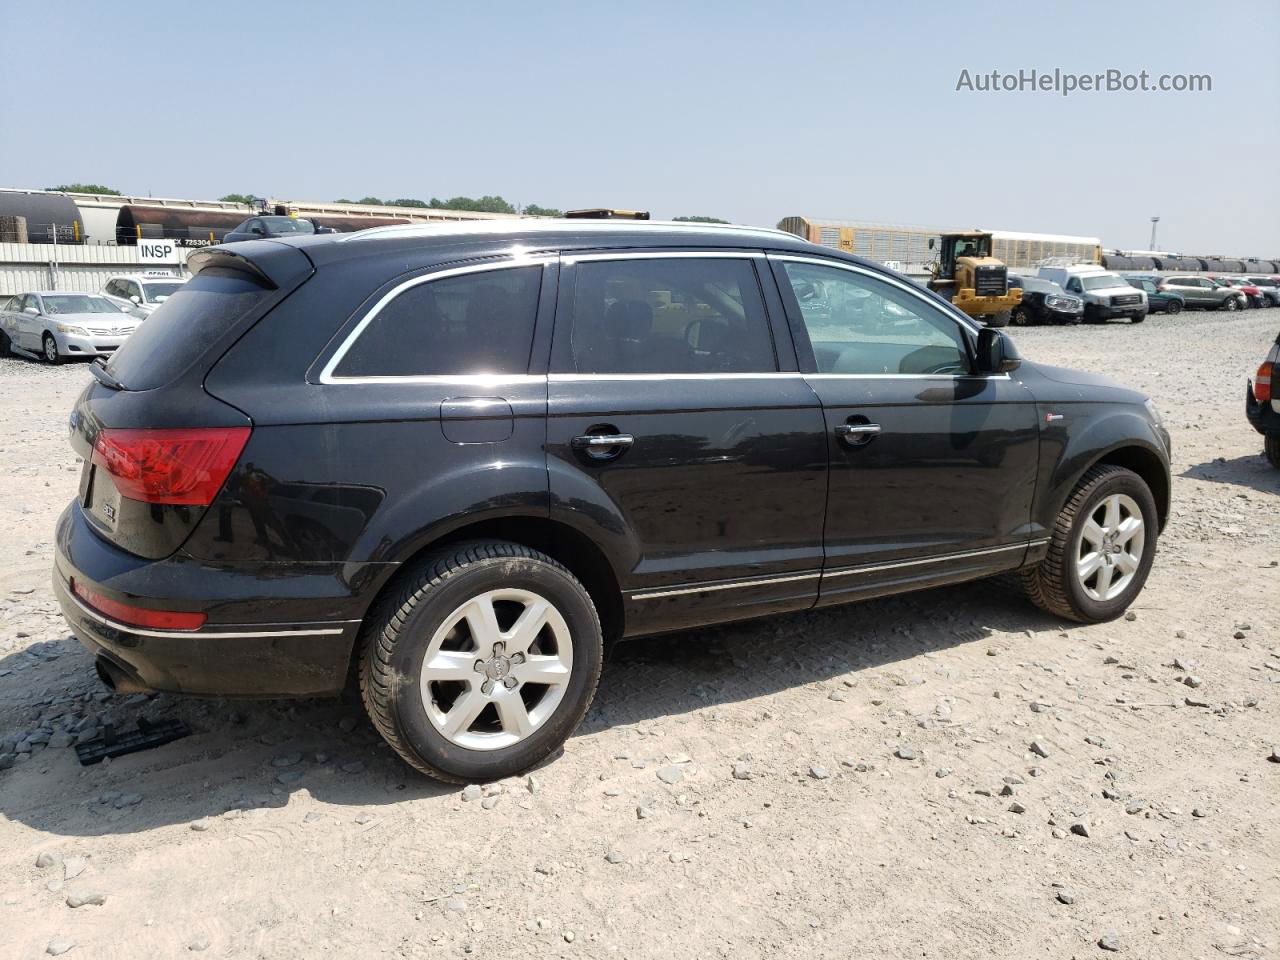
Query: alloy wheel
<point>1111,545</point>
<point>496,669</point>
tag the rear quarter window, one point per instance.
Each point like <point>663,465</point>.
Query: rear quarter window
<point>471,323</point>
<point>184,327</point>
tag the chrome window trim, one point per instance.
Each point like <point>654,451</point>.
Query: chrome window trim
<point>776,375</point>
<point>327,375</point>
<point>907,286</point>
<point>844,571</point>
<point>202,633</point>
<point>572,258</point>
<point>589,377</point>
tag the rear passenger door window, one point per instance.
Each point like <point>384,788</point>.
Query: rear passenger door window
<point>464,323</point>
<point>677,315</point>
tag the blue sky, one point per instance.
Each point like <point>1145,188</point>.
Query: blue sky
<point>745,110</point>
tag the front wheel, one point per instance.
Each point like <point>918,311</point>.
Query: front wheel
<point>1231,305</point>
<point>1021,317</point>
<point>1173,308</point>
<point>998,320</point>
<point>1101,550</point>
<point>51,353</point>
<point>482,663</point>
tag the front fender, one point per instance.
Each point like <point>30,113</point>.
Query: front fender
<point>1088,434</point>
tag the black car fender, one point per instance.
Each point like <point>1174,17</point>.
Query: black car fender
<point>1088,434</point>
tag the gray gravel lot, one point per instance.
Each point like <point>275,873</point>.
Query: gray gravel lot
<point>854,782</point>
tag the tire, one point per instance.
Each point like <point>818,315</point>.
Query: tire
<point>1021,317</point>
<point>1231,304</point>
<point>1174,308</point>
<point>413,620</point>
<point>50,352</point>
<point>998,320</point>
<point>1054,584</point>
<point>6,345</point>
<point>1138,319</point>
<point>1271,447</point>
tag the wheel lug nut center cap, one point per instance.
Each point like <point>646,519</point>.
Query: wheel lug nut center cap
<point>495,668</point>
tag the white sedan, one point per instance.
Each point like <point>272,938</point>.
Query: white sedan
<point>56,325</point>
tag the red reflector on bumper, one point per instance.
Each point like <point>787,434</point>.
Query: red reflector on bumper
<point>137,616</point>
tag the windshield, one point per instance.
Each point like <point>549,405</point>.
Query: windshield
<point>160,292</point>
<point>78,304</point>
<point>288,225</point>
<point>1101,282</point>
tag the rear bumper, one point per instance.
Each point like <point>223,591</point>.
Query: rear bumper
<point>274,630</point>
<point>1263,417</point>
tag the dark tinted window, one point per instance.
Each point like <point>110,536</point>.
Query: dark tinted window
<point>676,315</point>
<point>470,323</point>
<point>183,327</point>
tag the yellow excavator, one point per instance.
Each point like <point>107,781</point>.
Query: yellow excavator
<point>966,273</point>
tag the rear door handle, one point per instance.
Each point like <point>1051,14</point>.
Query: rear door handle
<point>857,434</point>
<point>598,440</point>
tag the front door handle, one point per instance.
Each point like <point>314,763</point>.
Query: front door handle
<point>599,440</point>
<point>857,434</point>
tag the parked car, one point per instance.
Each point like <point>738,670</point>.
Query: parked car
<point>1253,295</point>
<point>140,293</point>
<point>613,429</point>
<point>264,227</point>
<point>1158,300</point>
<point>1106,295</point>
<point>56,324</point>
<point>1262,404</point>
<point>1269,287</point>
<point>1204,293</point>
<point>1043,301</point>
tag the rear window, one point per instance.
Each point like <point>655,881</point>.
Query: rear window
<point>471,323</point>
<point>184,327</point>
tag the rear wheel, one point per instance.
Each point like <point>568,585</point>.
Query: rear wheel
<point>1271,447</point>
<point>51,353</point>
<point>1101,551</point>
<point>482,663</point>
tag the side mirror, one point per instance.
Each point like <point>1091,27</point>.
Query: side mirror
<point>135,298</point>
<point>31,310</point>
<point>996,352</point>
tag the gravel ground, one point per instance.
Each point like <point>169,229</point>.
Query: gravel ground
<point>950,774</point>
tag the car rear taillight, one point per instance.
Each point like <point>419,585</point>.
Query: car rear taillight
<point>1262,383</point>
<point>132,616</point>
<point>183,466</point>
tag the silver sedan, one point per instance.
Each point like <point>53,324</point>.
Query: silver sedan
<point>56,325</point>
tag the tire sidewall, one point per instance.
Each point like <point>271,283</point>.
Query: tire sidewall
<point>1131,484</point>
<point>408,712</point>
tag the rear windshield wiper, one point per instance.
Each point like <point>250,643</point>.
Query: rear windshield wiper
<point>99,369</point>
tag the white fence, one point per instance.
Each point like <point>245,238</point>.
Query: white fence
<point>83,269</point>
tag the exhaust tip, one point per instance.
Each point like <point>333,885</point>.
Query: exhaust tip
<point>116,679</point>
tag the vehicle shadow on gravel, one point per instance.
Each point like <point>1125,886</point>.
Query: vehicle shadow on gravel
<point>1251,471</point>
<point>319,756</point>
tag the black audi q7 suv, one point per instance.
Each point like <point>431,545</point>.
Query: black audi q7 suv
<point>458,457</point>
